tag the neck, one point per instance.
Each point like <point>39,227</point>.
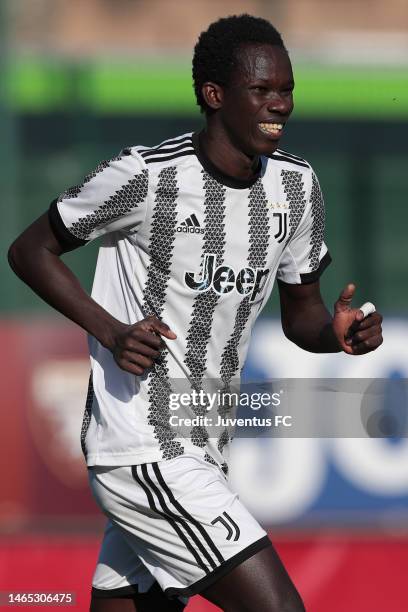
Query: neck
<point>226,156</point>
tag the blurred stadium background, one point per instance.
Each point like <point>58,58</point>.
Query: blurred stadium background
<point>80,79</point>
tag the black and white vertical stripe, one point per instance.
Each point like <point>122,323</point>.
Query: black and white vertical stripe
<point>87,414</point>
<point>163,231</point>
<point>259,232</point>
<point>199,330</point>
<point>191,532</point>
<point>318,221</point>
<point>118,205</point>
<point>74,191</point>
<point>294,189</point>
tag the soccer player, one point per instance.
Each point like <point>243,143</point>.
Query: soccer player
<point>194,232</point>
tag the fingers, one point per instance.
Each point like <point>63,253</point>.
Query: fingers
<point>141,344</point>
<point>370,321</point>
<point>358,330</point>
<point>366,346</point>
<point>355,324</point>
<point>136,359</point>
<point>154,324</point>
<point>136,337</point>
<point>367,308</point>
<point>149,331</point>
<point>144,348</point>
<point>130,367</point>
<point>357,321</point>
<point>366,336</point>
<point>365,311</point>
<point>345,298</point>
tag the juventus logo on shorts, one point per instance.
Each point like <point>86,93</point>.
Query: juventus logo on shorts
<point>230,525</point>
<point>283,226</point>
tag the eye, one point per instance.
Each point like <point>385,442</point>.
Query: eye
<point>260,88</point>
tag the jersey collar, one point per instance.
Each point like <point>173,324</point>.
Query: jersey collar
<point>221,177</point>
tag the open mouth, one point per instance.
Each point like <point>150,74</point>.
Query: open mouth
<point>272,129</point>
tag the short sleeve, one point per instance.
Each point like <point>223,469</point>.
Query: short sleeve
<point>305,256</point>
<point>112,197</point>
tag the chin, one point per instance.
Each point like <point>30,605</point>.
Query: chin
<point>267,148</point>
<point>260,146</point>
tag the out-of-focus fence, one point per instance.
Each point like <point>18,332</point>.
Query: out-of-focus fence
<point>361,166</point>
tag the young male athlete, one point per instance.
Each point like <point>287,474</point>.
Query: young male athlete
<point>194,232</point>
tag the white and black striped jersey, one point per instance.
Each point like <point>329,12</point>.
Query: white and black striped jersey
<point>198,249</point>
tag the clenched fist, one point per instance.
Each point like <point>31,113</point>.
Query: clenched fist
<point>356,335</point>
<point>137,346</point>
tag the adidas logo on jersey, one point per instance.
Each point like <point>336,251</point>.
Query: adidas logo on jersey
<point>191,226</point>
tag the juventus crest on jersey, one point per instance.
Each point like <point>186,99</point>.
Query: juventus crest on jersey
<point>198,249</point>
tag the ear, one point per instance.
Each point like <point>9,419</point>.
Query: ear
<point>213,95</point>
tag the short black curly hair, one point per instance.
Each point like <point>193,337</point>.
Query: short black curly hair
<point>215,52</point>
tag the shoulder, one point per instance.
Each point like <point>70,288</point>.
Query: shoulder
<point>288,161</point>
<point>169,152</point>
<point>290,168</point>
<point>139,159</point>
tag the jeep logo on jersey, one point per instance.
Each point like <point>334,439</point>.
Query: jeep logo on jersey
<point>224,279</point>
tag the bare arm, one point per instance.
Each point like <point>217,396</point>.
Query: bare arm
<point>35,258</point>
<point>307,322</point>
<point>305,319</point>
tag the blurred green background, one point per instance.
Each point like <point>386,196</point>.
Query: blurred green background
<point>63,110</point>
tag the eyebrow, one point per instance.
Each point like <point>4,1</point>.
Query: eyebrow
<point>291,82</point>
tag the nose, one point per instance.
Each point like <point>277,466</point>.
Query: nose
<point>279,103</point>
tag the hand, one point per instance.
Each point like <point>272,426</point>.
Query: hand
<point>355,334</point>
<point>137,346</point>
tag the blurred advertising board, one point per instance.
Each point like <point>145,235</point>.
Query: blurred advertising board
<point>297,482</point>
<point>333,573</point>
<point>43,385</point>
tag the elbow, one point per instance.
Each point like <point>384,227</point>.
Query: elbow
<point>293,338</point>
<point>286,328</point>
<point>297,338</point>
<point>14,257</point>
<point>11,257</point>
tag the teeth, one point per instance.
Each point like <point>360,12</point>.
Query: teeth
<point>271,127</point>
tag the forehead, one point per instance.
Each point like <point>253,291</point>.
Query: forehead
<point>256,61</point>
